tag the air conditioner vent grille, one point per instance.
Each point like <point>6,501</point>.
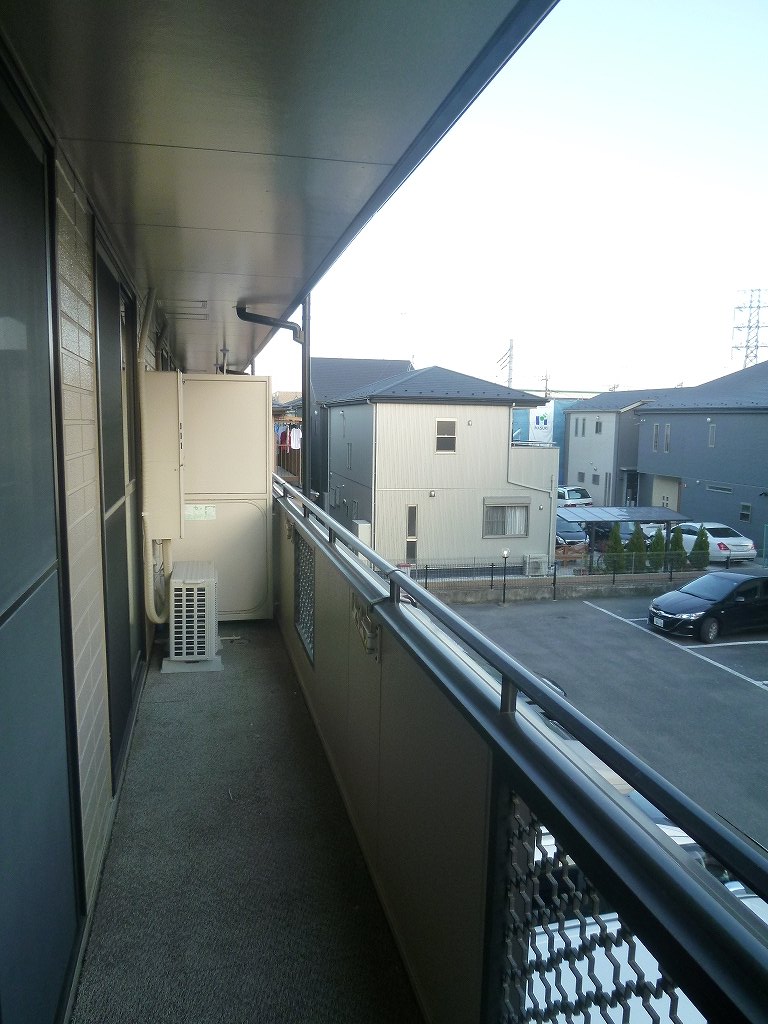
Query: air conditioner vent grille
<point>193,618</point>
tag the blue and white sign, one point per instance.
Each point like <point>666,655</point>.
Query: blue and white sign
<point>541,424</point>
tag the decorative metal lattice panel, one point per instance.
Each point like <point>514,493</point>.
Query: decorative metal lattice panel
<point>304,592</point>
<point>569,955</point>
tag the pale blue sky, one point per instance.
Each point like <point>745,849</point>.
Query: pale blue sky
<point>602,204</point>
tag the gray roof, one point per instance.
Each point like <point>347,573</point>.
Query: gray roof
<point>435,384</point>
<point>615,401</point>
<point>743,389</point>
<point>332,377</point>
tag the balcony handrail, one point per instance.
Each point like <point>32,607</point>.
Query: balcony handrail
<point>740,855</point>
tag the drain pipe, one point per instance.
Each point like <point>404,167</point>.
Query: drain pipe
<point>306,403</point>
<point>301,335</point>
<point>150,599</point>
<point>271,321</point>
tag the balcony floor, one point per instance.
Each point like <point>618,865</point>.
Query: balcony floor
<point>234,889</point>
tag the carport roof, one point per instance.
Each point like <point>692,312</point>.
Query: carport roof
<point>619,514</point>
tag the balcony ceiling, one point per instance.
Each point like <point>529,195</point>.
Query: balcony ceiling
<point>233,149</point>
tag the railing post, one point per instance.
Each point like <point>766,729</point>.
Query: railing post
<point>491,575</point>
<point>554,580</point>
<point>426,577</point>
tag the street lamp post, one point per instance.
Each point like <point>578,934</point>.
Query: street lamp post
<point>505,556</point>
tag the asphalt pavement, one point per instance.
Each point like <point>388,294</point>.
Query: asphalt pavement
<point>696,713</point>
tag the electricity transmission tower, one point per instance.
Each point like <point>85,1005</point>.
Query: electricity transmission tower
<point>752,327</point>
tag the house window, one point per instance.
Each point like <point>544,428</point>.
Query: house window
<point>745,513</point>
<point>576,426</point>
<point>712,428</point>
<point>583,426</point>
<point>355,508</point>
<point>349,455</point>
<point>503,520</point>
<point>410,533</point>
<point>666,436</point>
<point>655,437</point>
<point>598,426</point>
<point>595,479</point>
<point>580,478</point>
<point>720,488</point>
<point>445,440</point>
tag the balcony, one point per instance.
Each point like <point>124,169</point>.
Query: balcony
<point>517,881</point>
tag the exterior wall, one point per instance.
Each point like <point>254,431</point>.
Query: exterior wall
<point>75,262</point>
<point>716,481</point>
<point>450,522</point>
<point>593,455</point>
<point>351,489</point>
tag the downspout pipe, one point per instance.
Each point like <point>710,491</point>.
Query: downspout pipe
<point>271,321</point>
<point>150,604</point>
<point>306,402</point>
<point>300,335</point>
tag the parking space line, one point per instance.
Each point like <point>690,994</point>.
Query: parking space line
<point>762,683</point>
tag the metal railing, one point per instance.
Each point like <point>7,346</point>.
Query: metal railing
<point>587,906</point>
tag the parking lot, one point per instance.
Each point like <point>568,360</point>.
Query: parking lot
<point>696,713</point>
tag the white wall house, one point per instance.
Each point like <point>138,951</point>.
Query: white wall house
<point>439,479</point>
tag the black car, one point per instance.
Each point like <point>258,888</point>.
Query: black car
<point>720,602</point>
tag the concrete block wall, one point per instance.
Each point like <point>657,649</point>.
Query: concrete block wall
<point>75,262</point>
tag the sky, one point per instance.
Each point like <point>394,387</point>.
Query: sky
<point>602,206</point>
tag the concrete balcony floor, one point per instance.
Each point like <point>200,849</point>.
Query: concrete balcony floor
<point>234,889</point>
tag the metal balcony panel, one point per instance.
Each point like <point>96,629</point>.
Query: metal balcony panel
<point>286,125</point>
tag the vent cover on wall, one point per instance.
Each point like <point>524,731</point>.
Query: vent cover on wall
<point>193,639</point>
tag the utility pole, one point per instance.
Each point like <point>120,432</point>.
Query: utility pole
<point>506,363</point>
<point>751,346</point>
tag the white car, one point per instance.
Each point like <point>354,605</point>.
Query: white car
<point>570,497</point>
<point>725,543</point>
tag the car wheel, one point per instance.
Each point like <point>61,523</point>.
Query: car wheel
<point>710,631</point>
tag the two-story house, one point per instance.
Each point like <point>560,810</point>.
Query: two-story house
<point>699,450</point>
<point>423,466</point>
<point>601,444</point>
<point>704,451</point>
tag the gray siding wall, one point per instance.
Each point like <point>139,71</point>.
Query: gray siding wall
<point>350,440</point>
<point>715,481</point>
<point>593,455</point>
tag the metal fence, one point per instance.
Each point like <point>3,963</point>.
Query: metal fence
<point>476,574</point>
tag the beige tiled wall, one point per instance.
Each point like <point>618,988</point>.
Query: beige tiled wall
<point>81,471</point>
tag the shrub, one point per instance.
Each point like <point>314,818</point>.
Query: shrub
<point>677,555</point>
<point>699,556</point>
<point>656,551</point>
<point>635,551</point>
<point>614,551</point>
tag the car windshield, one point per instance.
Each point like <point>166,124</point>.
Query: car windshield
<point>710,588</point>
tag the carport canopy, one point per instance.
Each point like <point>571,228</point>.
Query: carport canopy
<point>620,514</point>
<point>589,515</point>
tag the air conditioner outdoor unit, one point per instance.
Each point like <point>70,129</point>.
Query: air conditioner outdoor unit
<point>193,637</point>
<point>535,565</point>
